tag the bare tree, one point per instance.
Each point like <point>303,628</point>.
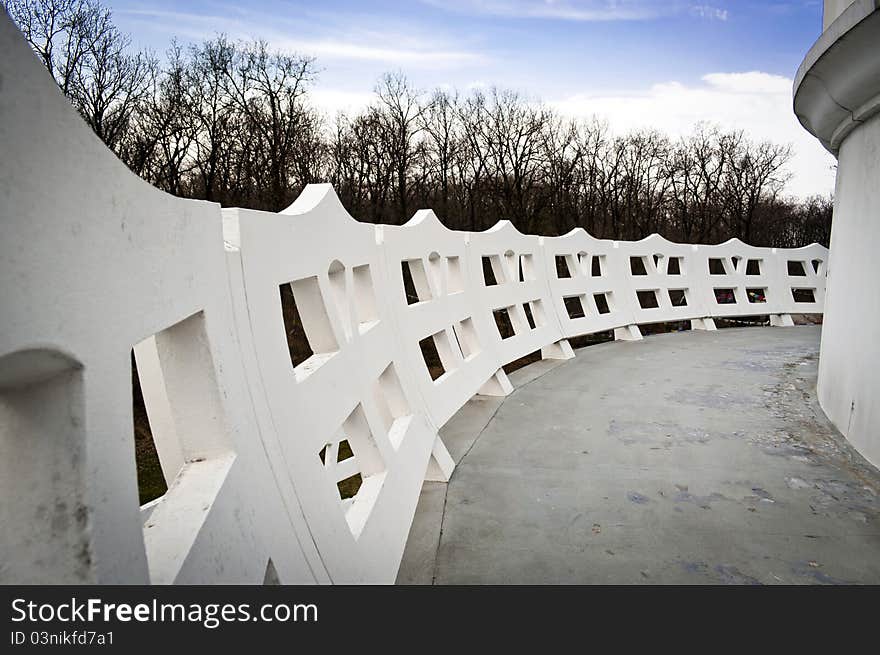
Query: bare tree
<point>269,88</point>
<point>214,114</point>
<point>61,32</point>
<point>443,142</point>
<point>400,113</point>
<point>232,122</point>
<point>755,174</point>
<point>89,58</point>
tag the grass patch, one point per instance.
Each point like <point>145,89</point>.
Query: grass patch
<point>151,480</point>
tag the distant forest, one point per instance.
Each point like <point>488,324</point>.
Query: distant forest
<point>232,122</point>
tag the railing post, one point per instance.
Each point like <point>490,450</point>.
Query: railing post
<point>628,333</point>
<point>781,320</point>
<point>706,323</point>
<point>558,350</point>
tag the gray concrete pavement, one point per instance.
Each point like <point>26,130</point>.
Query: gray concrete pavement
<point>689,458</point>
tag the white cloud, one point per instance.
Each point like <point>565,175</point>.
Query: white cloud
<point>425,58</point>
<point>751,83</point>
<point>183,24</point>
<point>581,10</point>
<point>710,12</point>
<point>403,47</point>
<point>758,103</point>
<point>333,101</point>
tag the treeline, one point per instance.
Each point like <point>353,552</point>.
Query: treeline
<point>232,122</point>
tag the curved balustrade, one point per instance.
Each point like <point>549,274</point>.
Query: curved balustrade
<point>95,263</point>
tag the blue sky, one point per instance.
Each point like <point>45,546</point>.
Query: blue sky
<point>634,63</point>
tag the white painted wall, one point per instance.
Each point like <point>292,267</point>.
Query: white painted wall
<point>837,99</point>
<point>93,262</point>
<point>849,375</point>
<point>833,9</point>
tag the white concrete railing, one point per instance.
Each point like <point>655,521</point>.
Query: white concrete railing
<point>95,262</point>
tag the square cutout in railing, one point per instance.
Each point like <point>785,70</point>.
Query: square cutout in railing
<point>598,265</point>
<point>536,309</point>
<point>297,343</point>
<point>674,266</point>
<point>307,330</point>
<point>574,305</point>
<point>503,322</point>
<point>150,479</point>
<point>716,266</point>
<point>391,404</point>
<point>431,358</point>
<point>753,267</point>
<point>354,463</point>
<point>526,268</point>
<point>528,312</point>
<point>177,377</point>
<point>678,297</point>
<point>725,296</point>
<point>648,299</point>
<point>450,356</point>
<point>409,287</point>
<point>340,452</point>
<point>637,266</point>
<point>804,295</point>
<point>415,281</point>
<point>603,306</point>
<point>756,295</point>
<point>562,269</point>
<point>492,275</point>
<point>466,336</point>
<point>796,269</point>
<point>364,297</point>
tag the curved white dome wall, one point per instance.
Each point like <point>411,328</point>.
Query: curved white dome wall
<point>832,11</point>
<point>837,98</point>
<point>94,262</point>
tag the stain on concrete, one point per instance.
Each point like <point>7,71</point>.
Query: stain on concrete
<point>659,434</point>
<point>813,571</point>
<point>637,498</point>
<point>732,575</point>
<point>760,496</point>
<point>704,502</point>
<point>694,567</point>
<point>713,396</point>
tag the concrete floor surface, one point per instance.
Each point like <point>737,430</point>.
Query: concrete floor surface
<point>688,458</point>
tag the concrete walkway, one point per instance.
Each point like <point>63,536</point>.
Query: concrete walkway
<point>690,458</point>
